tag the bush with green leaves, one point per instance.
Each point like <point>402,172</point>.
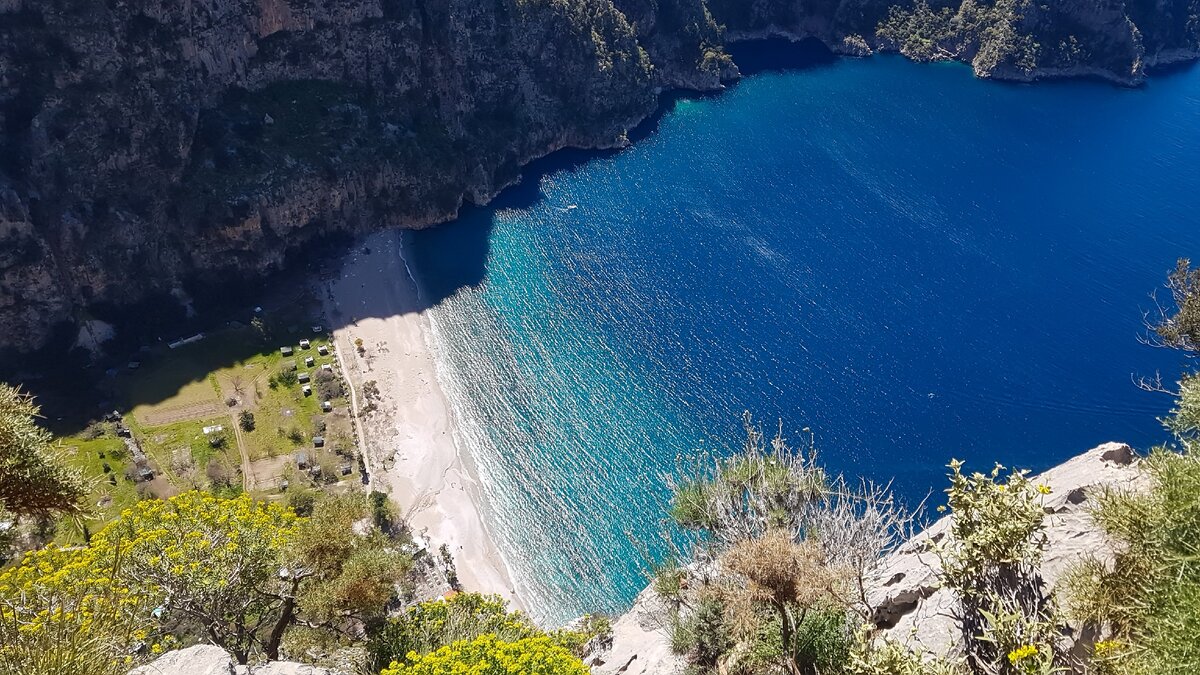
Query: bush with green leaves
<point>991,560</point>
<point>1145,602</point>
<point>490,655</point>
<point>463,617</point>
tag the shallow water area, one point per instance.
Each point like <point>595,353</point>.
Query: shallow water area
<point>913,263</point>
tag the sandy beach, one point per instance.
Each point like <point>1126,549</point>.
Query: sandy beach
<point>410,443</point>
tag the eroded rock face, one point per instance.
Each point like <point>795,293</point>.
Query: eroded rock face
<point>149,147</point>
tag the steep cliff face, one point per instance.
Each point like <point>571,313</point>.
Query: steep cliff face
<point>1006,39</point>
<point>151,147</point>
<point>149,144</point>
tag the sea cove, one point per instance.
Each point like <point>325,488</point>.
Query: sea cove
<point>911,263</point>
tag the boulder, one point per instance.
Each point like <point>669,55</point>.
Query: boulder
<point>198,660</point>
<point>210,660</point>
<point>915,611</point>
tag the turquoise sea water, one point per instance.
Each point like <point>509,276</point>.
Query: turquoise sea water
<point>915,264</point>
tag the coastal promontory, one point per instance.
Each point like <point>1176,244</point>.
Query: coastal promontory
<point>156,155</point>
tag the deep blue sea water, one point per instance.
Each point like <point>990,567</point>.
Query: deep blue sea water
<point>913,263</point>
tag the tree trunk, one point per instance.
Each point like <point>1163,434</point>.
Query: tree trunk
<point>287,614</point>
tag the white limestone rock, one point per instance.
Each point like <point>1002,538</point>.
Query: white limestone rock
<point>210,660</point>
<point>640,645</point>
<point>920,614</point>
<point>198,660</point>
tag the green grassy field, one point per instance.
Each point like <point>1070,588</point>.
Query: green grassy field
<point>109,489</point>
<point>177,392</point>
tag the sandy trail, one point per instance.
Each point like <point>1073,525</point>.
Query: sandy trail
<point>411,447</point>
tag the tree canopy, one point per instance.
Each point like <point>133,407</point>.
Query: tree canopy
<point>33,478</point>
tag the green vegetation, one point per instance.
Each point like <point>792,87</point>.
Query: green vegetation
<point>991,34</point>
<point>487,655</point>
<point>1146,603</point>
<point>991,560</point>
<point>782,554</point>
<point>66,612</point>
<point>437,632</point>
<point>778,575</point>
<point>236,572</point>
<point>34,480</point>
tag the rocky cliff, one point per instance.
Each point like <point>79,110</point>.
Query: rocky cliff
<point>152,149</point>
<point>911,606</point>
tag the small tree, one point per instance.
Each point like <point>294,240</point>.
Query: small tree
<point>246,420</point>
<point>781,561</point>
<point>244,572</point>
<point>34,479</point>
<point>286,376</point>
<point>329,386</point>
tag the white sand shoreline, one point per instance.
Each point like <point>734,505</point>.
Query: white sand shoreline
<point>412,447</point>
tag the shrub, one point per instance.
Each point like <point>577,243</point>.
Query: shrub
<point>488,655</point>
<point>465,617</point>
<point>34,477</point>
<point>62,613</point>
<point>329,386</point>
<point>286,377</point>
<point>991,560</point>
<point>246,420</point>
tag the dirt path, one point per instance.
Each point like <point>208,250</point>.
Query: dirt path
<point>355,420</point>
<point>247,475</point>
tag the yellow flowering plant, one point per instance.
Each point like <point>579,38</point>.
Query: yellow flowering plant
<point>488,655</point>
<point>219,563</point>
<point>64,612</point>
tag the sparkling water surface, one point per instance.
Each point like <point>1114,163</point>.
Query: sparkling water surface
<point>913,263</point>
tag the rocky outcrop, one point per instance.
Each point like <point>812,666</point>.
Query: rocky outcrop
<point>210,660</point>
<point>640,643</point>
<point>916,611</point>
<point>912,608</point>
<point>152,150</point>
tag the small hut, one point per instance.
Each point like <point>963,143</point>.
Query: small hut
<point>307,390</point>
<point>318,441</point>
<point>305,344</point>
<point>302,460</point>
<point>327,406</point>
<point>323,350</point>
<point>309,362</point>
<point>286,351</point>
<point>302,378</point>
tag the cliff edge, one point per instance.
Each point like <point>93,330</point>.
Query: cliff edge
<point>911,607</point>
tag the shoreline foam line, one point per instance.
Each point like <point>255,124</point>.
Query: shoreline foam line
<point>410,436</point>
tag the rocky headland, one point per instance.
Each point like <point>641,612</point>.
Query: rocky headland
<point>910,605</point>
<point>153,153</point>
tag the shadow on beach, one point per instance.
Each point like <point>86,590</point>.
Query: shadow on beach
<point>445,258</point>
